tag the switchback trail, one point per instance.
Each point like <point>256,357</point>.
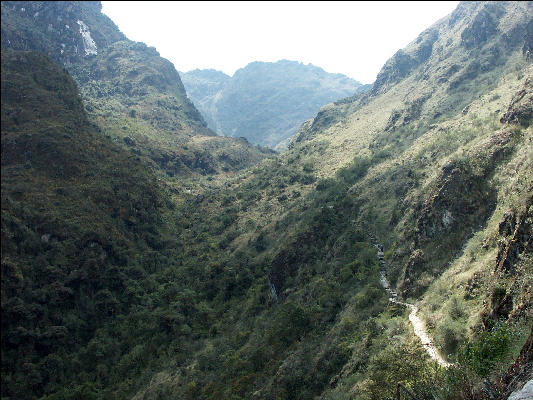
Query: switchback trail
<point>418,325</point>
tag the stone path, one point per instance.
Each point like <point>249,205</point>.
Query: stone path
<point>418,325</point>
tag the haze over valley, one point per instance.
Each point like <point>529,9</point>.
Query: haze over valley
<point>265,102</point>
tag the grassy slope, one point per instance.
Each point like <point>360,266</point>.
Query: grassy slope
<point>403,147</point>
<point>206,326</point>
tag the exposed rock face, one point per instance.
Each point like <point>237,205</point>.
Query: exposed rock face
<point>483,26</point>
<point>520,110</point>
<point>449,203</point>
<point>414,266</point>
<point>74,30</point>
<point>523,394</point>
<point>517,237</point>
<point>396,68</point>
<point>89,46</point>
<point>461,201</point>
<point>402,64</point>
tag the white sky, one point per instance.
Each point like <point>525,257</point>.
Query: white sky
<point>353,38</point>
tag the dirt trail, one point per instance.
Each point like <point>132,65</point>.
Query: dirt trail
<point>418,325</point>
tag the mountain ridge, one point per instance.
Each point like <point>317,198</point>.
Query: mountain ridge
<point>127,282</point>
<point>263,100</point>
<point>152,117</point>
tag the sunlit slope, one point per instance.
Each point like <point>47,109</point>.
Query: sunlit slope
<point>425,109</point>
<point>455,213</point>
<point>265,283</point>
<point>448,66</point>
<point>436,163</point>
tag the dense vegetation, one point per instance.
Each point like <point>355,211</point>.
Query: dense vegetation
<point>126,274</point>
<point>131,93</point>
<point>79,216</point>
<point>265,102</point>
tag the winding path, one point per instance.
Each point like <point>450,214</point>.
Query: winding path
<point>418,325</point>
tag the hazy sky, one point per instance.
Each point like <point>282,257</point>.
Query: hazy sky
<point>353,38</point>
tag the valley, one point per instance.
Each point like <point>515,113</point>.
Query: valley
<point>265,102</point>
<point>146,257</point>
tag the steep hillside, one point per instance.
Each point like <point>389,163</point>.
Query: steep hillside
<point>265,102</point>
<point>203,84</point>
<point>431,80</point>
<point>266,283</point>
<point>59,29</point>
<point>435,162</point>
<point>78,213</point>
<point>130,92</point>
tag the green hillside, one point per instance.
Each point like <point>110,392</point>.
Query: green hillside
<point>79,215</point>
<point>123,280</point>
<point>131,93</point>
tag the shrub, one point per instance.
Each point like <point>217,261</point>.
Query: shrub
<point>289,325</point>
<point>456,308</point>
<point>491,347</point>
<point>450,335</point>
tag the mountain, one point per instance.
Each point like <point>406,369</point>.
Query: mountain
<point>77,212</point>
<point>434,163</point>
<point>130,92</point>
<point>202,84</point>
<point>298,277</point>
<point>265,102</point>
